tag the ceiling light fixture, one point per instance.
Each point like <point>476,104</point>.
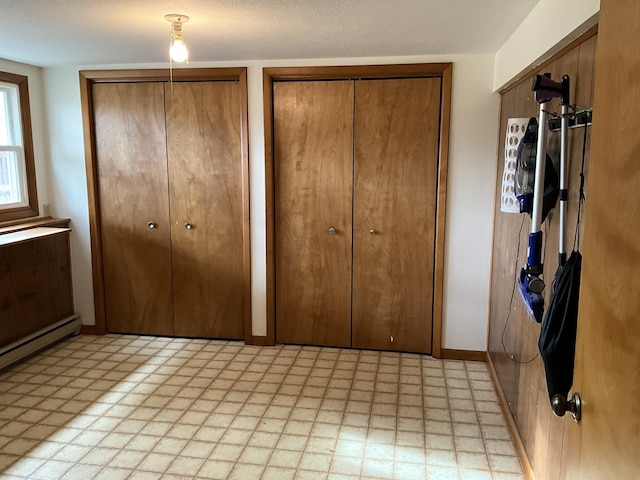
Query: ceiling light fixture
<point>177,49</point>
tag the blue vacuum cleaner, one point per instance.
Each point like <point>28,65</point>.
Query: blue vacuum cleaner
<point>530,284</point>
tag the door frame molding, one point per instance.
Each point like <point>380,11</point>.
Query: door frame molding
<point>90,77</point>
<point>442,70</point>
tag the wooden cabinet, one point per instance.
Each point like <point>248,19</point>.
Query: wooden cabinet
<point>170,176</point>
<point>35,278</point>
<point>355,167</point>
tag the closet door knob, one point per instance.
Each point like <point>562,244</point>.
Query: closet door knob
<point>152,224</point>
<point>188,226</point>
<point>332,231</point>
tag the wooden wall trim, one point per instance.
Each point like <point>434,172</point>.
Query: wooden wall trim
<point>468,355</point>
<point>32,208</point>
<point>511,423</point>
<point>443,163</point>
<point>87,79</point>
<point>246,199</point>
<point>89,330</point>
<point>260,341</point>
<point>164,74</point>
<point>549,57</point>
<point>357,71</point>
<point>268,77</point>
<point>86,102</point>
<point>442,70</point>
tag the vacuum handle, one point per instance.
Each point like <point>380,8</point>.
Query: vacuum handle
<point>545,89</point>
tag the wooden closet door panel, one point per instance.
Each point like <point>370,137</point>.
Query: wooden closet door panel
<point>132,187</point>
<point>313,147</point>
<point>396,157</point>
<point>205,172</point>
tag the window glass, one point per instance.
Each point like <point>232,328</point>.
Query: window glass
<point>13,191</point>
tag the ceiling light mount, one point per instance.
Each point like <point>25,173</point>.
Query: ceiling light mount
<point>176,17</point>
<point>177,48</point>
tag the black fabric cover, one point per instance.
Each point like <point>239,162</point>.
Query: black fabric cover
<point>551,190</point>
<point>557,341</point>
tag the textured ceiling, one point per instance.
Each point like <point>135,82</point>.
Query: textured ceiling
<point>95,32</point>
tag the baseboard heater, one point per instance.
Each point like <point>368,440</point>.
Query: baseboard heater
<point>39,340</point>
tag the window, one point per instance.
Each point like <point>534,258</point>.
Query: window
<point>18,197</point>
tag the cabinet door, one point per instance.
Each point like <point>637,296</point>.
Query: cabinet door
<point>205,172</point>
<point>396,154</point>
<point>313,151</point>
<point>132,188</point>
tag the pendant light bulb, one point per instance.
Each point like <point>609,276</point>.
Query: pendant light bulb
<point>177,48</point>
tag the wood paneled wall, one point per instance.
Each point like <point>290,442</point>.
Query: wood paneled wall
<point>513,337</point>
<point>35,280</point>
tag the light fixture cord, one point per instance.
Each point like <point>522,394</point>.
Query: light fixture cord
<point>171,68</point>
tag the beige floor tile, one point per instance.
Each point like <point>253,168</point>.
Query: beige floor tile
<point>255,455</point>
<point>409,471</point>
<point>52,469</point>
<point>216,469</point>
<point>25,467</point>
<point>285,458</point>
<point>314,461</point>
<point>310,475</point>
<point>377,468</point>
<point>140,407</point>
<point>198,449</point>
<point>292,442</point>
<point>502,463</point>
<point>170,446</point>
<point>264,439</point>
<point>472,460</point>
<point>278,473</point>
<point>441,473</point>
<point>350,448</point>
<point>71,453</point>
<point>346,465</point>
<point>156,462</point>
<point>82,472</point>
<point>471,474</point>
<point>187,466</point>
<point>127,459</point>
<point>226,452</point>
<point>246,472</point>
<point>500,447</point>
<point>321,445</point>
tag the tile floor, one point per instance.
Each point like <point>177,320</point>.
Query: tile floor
<point>133,407</point>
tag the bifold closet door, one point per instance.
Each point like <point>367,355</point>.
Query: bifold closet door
<point>134,206</point>
<point>205,178</point>
<point>397,126</point>
<point>313,152</point>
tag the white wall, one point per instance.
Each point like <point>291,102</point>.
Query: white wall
<point>472,164</point>
<point>550,24</point>
<point>67,180</point>
<point>470,199</point>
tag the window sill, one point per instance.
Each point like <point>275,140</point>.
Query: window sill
<point>24,224</point>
